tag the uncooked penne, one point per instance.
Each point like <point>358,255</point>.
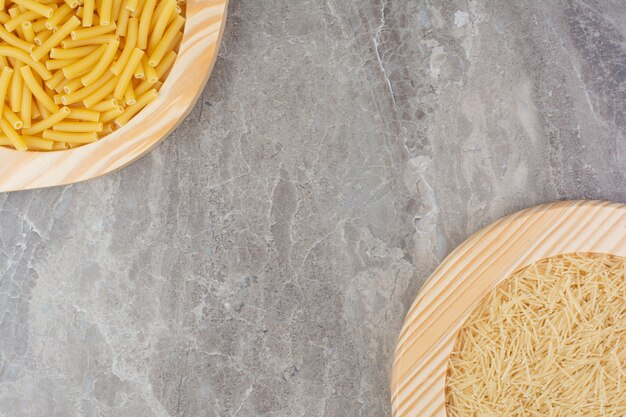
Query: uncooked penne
<point>74,71</point>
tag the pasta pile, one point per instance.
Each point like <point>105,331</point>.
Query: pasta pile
<point>73,71</point>
<point>548,341</point>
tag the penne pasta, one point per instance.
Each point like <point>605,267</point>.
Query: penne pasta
<point>87,115</point>
<point>168,38</point>
<point>126,75</point>
<point>105,105</point>
<point>5,80</point>
<point>144,23</point>
<point>37,90</point>
<point>11,117</point>
<point>129,46</point>
<point>103,63</point>
<point>70,137</point>
<point>26,111</point>
<point>55,38</point>
<point>83,65</point>
<point>78,126</point>
<point>88,9</point>
<point>104,10</point>
<point>15,92</point>
<point>162,19</point>
<point>92,32</point>
<point>48,122</point>
<point>111,114</point>
<point>28,31</point>
<point>57,17</point>
<point>32,143</point>
<point>13,40</point>
<point>73,71</point>
<point>15,139</point>
<point>71,43</point>
<point>130,111</point>
<point>129,95</point>
<point>72,53</point>
<point>41,36</point>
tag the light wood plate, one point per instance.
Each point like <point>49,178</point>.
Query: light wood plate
<point>471,271</point>
<point>201,39</point>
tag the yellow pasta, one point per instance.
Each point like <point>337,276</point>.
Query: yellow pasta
<point>150,72</point>
<point>126,75</point>
<point>85,92</point>
<point>26,111</point>
<point>56,38</point>
<point>162,18</point>
<point>41,35</point>
<point>48,122</point>
<point>15,93</point>
<point>115,11</point>
<point>140,73</point>
<point>100,93</point>
<point>83,65</point>
<point>53,64</point>
<point>105,105</point>
<point>36,7</point>
<point>13,40</point>
<point>72,86</point>
<point>72,3</point>
<point>105,60</point>
<point>5,79</point>
<point>28,31</point>
<point>109,115</point>
<point>129,46</point>
<point>129,95</point>
<point>56,80</point>
<point>88,9</point>
<point>168,37</point>
<point>78,127</point>
<point>73,71</point>
<point>132,5</point>
<point>70,137</point>
<point>16,21</point>
<point>71,43</point>
<point>11,117</point>
<point>122,21</point>
<point>16,140</point>
<point>59,146</point>
<point>35,112</point>
<point>37,90</point>
<point>57,17</point>
<point>87,115</point>
<point>144,23</point>
<point>131,110</point>
<point>105,9</point>
<point>72,53</point>
<point>32,142</point>
<point>92,32</point>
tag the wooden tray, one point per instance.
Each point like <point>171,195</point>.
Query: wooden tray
<point>471,271</point>
<point>202,36</point>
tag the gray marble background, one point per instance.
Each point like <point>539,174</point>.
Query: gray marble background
<point>260,261</point>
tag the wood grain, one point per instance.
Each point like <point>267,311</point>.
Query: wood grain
<point>198,51</point>
<point>471,271</point>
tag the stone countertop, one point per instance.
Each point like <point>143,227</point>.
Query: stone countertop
<point>260,261</point>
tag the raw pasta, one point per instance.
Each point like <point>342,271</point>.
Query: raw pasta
<point>73,71</point>
<point>548,341</point>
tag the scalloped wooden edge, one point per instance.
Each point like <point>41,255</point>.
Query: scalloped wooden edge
<point>198,51</point>
<point>471,271</point>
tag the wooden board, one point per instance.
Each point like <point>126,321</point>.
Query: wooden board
<point>471,271</point>
<point>202,36</point>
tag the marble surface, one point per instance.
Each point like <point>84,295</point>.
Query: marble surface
<point>260,261</point>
